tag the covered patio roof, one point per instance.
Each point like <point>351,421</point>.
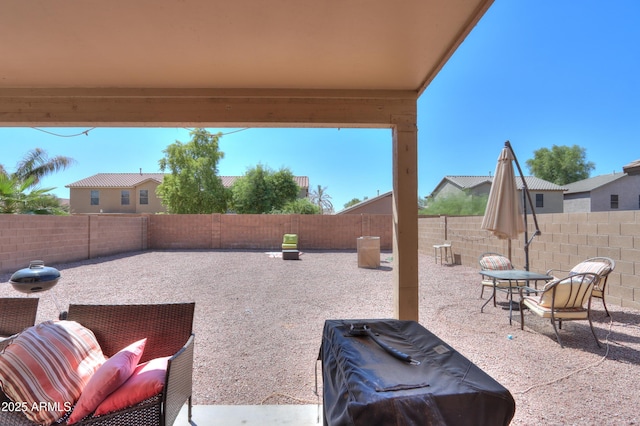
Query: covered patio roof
<point>302,63</point>
<point>287,44</point>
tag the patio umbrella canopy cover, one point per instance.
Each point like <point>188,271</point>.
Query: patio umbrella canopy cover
<point>503,215</point>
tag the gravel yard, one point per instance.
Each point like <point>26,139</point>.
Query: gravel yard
<point>259,321</point>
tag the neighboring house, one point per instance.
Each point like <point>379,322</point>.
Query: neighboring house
<point>382,204</point>
<point>132,192</point>
<point>547,197</point>
<point>116,193</point>
<point>615,191</point>
<point>632,168</point>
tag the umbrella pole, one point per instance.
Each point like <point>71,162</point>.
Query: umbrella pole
<point>525,195</point>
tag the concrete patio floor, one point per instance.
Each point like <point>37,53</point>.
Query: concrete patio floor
<point>252,415</point>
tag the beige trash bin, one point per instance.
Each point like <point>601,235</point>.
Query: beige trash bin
<point>369,252</point>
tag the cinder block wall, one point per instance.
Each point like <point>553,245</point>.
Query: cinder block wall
<point>567,239</point>
<point>185,231</point>
<point>264,232</point>
<point>58,239</point>
<point>111,235</point>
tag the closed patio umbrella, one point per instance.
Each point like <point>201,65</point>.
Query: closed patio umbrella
<point>504,216</point>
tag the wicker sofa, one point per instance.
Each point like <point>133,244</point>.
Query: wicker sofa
<point>16,314</point>
<point>168,329</point>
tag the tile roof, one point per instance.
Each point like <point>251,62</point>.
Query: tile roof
<point>589,184</point>
<point>534,183</point>
<point>633,168</point>
<point>130,180</point>
<point>116,180</point>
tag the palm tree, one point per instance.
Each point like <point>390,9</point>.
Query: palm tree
<point>37,164</point>
<point>19,192</point>
<point>320,198</point>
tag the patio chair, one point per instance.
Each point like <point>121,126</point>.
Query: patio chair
<point>602,266</point>
<point>168,330</point>
<point>493,261</point>
<point>290,247</point>
<point>290,242</point>
<point>562,300</point>
<point>16,314</point>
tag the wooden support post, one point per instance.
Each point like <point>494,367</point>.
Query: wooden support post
<point>405,217</point>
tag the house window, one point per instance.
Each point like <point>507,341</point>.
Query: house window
<point>540,200</point>
<point>95,198</point>
<point>144,196</point>
<point>614,201</point>
<point>124,198</point>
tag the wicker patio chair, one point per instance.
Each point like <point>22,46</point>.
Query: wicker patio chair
<point>168,329</point>
<point>602,266</point>
<point>563,300</point>
<point>493,261</point>
<point>16,314</point>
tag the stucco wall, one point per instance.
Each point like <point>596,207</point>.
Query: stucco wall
<point>627,189</point>
<point>110,200</point>
<point>553,201</point>
<point>576,203</point>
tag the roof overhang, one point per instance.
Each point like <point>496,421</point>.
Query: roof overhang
<point>183,62</point>
<point>632,168</point>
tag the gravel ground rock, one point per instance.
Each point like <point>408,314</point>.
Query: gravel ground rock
<point>259,320</point>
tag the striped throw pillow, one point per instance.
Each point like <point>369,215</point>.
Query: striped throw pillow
<point>495,263</point>
<point>598,268</point>
<point>47,366</point>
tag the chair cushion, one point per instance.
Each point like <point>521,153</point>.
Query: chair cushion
<point>146,381</point>
<point>290,239</point>
<point>564,292</point>
<point>495,262</point>
<point>499,284</point>
<point>598,268</point>
<point>109,377</point>
<point>545,312</point>
<point>48,365</point>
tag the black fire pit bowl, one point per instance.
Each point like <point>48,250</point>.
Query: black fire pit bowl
<point>35,278</point>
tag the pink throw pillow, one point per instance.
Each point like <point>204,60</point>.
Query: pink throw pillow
<point>49,363</point>
<point>109,377</point>
<point>146,381</point>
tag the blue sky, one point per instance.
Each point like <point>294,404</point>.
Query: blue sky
<point>535,72</point>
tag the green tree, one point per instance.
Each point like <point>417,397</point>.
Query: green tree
<point>299,206</point>
<point>321,199</point>
<point>19,192</point>
<point>561,164</point>
<point>193,185</point>
<point>261,190</point>
<point>456,205</point>
<point>354,201</point>
<point>16,198</point>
